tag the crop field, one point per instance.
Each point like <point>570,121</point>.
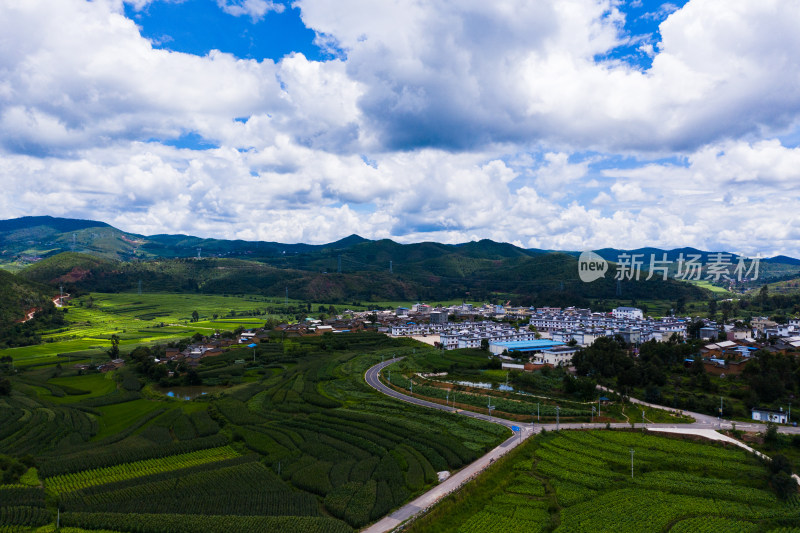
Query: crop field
<point>118,416</point>
<point>139,319</point>
<point>303,445</point>
<point>538,405</point>
<point>710,286</point>
<point>580,481</point>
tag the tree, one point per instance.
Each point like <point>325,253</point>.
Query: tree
<point>605,357</point>
<point>784,484</point>
<point>5,387</point>
<point>195,316</point>
<point>763,296</point>
<point>693,330</point>
<point>712,309</point>
<point>652,394</point>
<point>114,351</point>
<point>485,345</point>
<point>192,378</point>
<point>781,479</point>
<point>494,364</point>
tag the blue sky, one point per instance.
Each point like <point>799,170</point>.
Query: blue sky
<point>199,26</point>
<point>559,124</point>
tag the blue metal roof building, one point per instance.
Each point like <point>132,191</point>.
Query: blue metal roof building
<point>536,345</point>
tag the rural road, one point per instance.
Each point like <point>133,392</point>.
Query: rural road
<point>704,426</point>
<point>705,421</point>
<point>388,523</point>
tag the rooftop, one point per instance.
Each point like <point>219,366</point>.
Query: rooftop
<point>538,344</point>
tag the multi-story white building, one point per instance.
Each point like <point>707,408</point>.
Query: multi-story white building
<point>580,325</point>
<point>630,313</point>
<point>556,356</point>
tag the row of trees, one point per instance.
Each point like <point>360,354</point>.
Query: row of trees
<point>768,377</point>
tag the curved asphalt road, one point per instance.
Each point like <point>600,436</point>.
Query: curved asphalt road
<point>703,426</point>
<point>371,376</point>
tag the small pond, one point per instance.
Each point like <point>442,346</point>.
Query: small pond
<point>190,393</point>
<point>480,385</point>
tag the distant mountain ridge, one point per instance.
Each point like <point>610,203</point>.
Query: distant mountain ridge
<point>60,224</point>
<point>179,245</point>
<point>106,259</point>
<point>102,258</point>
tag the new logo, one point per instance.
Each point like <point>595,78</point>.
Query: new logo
<point>591,267</point>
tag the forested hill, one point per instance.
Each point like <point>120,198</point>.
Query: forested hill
<point>18,296</point>
<point>545,279</point>
<point>87,255</point>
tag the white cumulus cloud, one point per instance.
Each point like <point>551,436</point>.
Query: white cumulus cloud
<point>255,9</point>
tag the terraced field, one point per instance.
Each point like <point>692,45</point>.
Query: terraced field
<point>304,446</point>
<point>581,481</point>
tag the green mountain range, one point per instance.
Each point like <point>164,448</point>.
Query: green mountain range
<point>93,256</point>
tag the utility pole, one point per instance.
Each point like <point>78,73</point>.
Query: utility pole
<point>447,401</point>
<point>490,406</point>
<point>411,386</point>
<point>140,287</point>
<point>254,355</point>
<point>557,420</point>
<point>390,376</point>
<point>537,412</point>
<point>592,420</point>
<point>631,463</point>
<point>643,419</point>
<point>719,417</point>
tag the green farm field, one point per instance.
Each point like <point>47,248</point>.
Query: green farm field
<point>82,387</point>
<point>299,442</point>
<point>703,284</point>
<point>580,481</point>
<point>117,417</point>
<point>137,319</point>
